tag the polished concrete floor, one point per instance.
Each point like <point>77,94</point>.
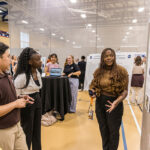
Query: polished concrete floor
<point>77,132</point>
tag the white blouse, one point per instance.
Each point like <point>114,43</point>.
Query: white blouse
<point>20,82</point>
<point>137,70</point>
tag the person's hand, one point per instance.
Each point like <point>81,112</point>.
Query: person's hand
<point>92,93</point>
<point>20,103</point>
<point>70,75</point>
<point>27,98</point>
<point>111,106</point>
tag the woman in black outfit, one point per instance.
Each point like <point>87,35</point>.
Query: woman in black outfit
<point>110,84</point>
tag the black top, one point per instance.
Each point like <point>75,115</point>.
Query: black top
<point>37,82</point>
<point>82,66</point>
<point>70,69</point>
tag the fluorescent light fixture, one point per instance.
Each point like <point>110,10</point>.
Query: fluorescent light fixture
<point>53,34</point>
<point>127,33</point>
<point>73,43</point>
<point>42,29</point>
<point>129,46</point>
<point>130,28</point>
<point>89,25</point>
<point>83,16</point>
<point>123,39</point>
<point>141,9</point>
<point>61,38</point>
<point>67,40</point>
<point>93,31</point>
<point>77,46</point>
<point>25,22</point>
<point>134,21</point>
<point>73,1</point>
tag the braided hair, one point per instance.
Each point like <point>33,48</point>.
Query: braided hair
<point>23,64</point>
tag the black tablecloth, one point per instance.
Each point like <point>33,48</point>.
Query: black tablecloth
<point>56,95</point>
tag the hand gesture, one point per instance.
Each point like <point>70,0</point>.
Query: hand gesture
<point>111,106</point>
<point>21,103</point>
<point>29,99</point>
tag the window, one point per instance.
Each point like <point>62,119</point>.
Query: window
<point>24,39</point>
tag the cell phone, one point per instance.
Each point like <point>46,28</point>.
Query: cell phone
<point>91,93</point>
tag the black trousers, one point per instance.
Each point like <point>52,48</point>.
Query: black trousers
<point>81,80</point>
<point>31,122</point>
<point>109,123</point>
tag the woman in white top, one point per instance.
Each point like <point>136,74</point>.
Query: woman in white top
<point>137,81</point>
<point>27,80</point>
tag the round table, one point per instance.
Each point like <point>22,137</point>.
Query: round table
<point>56,95</point>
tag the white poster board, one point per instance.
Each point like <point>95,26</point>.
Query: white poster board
<point>43,59</point>
<point>125,59</point>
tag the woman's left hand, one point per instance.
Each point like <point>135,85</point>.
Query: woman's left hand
<point>112,106</point>
<point>70,75</point>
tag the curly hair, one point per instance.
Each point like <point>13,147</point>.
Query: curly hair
<point>138,61</point>
<point>118,81</point>
<point>23,64</point>
<point>103,67</point>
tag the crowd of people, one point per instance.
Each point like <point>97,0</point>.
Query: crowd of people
<point>20,102</point>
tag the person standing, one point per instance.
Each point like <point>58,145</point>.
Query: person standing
<point>72,71</point>
<point>27,80</point>
<point>82,66</point>
<point>11,134</point>
<point>137,81</point>
<point>110,84</point>
<point>52,64</point>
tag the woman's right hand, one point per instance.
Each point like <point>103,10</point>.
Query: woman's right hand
<point>92,93</point>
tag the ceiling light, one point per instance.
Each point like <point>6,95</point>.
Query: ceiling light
<point>73,43</point>
<point>134,21</point>
<point>123,39</point>
<point>25,22</point>
<point>61,38</point>
<point>130,28</point>
<point>98,39</point>
<point>73,1</point>
<point>93,31</point>
<point>42,29</point>
<point>89,25</point>
<point>67,40</point>
<point>53,34</point>
<point>127,33</point>
<point>141,9</point>
<point>83,16</point>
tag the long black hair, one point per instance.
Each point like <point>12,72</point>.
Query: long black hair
<point>23,64</point>
<point>55,55</point>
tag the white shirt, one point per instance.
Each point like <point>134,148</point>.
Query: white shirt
<point>137,70</point>
<point>20,82</point>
